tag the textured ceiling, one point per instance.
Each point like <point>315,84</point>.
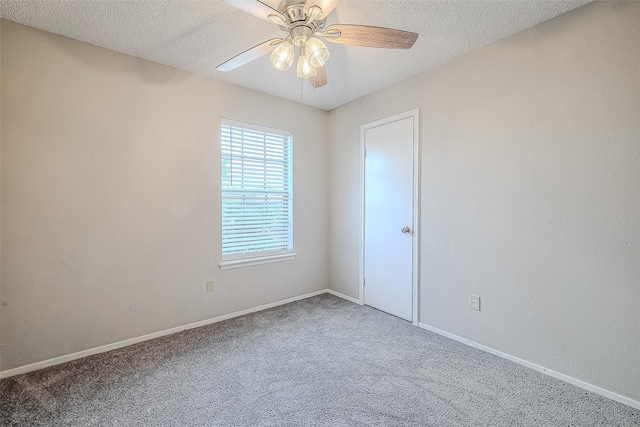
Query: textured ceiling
<point>199,35</point>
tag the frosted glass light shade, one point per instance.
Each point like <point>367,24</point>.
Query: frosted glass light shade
<point>305,70</point>
<point>282,55</point>
<point>317,52</point>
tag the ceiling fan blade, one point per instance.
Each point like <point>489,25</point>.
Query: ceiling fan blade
<point>320,79</point>
<point>255,8</point>
<point>362,35</point>
<point>249,55</point>
<point>326,5</point>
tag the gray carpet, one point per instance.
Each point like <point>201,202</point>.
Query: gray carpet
<point>321,361</point>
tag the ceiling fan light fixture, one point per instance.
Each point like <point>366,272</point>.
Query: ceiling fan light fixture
<point>305,70</point>
<point>282,55</point>
<point>299,39</point>
<point>304,21</point>
<point>317,51</point>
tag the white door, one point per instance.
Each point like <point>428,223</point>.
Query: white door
<point>388,250</point>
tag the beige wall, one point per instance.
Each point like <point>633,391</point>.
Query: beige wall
<point>530,187</point>
<point>1,300</point>
<point>530,194</point>
<point>110,197</point>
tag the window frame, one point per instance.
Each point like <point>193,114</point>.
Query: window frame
<point>266,256</point>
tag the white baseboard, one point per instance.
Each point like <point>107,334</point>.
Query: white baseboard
<point>84,353</point>
<point>343,296</point>
<point>566,378</point>
<point>67,358</point>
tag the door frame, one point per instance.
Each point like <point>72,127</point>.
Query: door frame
<point>415,275</point>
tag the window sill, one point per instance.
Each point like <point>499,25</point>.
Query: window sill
<point>248,262</point>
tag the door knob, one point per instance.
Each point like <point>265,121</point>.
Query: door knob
<point>406,230</point>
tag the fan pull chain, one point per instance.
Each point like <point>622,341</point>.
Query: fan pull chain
<point>301,94</point>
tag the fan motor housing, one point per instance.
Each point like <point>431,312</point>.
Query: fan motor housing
<point>293,10</point>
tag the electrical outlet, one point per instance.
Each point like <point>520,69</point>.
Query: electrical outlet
<point>475,302</point>
<point>209,285</point>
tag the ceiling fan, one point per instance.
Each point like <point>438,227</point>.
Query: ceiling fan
<point>303,22</point>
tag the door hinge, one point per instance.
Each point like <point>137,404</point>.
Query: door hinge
<point>364,282</point>
<point>365,152</point>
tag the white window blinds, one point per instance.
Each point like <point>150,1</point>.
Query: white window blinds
<point>256,190</point>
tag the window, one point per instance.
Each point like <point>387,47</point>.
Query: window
<point>257,220</point>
